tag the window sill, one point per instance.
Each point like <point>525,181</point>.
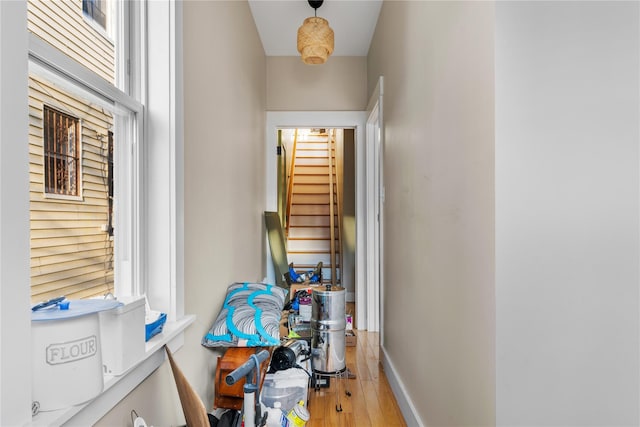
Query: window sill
<point>117,387</point>
<point>62,197</point>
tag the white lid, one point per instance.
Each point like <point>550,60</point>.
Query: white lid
<point>74,308</point>
<point>130,303</point>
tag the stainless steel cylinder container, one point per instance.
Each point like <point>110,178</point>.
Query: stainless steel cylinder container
<point>328,329</point>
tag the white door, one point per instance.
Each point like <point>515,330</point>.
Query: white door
<point>374,216</point>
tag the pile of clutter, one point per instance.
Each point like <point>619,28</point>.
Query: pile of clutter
<point>311,276</point>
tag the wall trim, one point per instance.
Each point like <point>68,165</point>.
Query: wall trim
<point>407,408</point>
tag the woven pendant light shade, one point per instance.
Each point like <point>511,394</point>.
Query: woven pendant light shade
<point>315,40</point>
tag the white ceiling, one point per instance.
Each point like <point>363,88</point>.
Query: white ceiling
<point>352,21</point>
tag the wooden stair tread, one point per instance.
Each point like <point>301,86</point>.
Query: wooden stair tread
<point>309,238</point>
<point>315,252</point>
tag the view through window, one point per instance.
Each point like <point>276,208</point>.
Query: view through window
<point>75,138</point>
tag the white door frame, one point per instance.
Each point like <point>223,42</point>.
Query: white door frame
<point>375,211</point>
<point>328,119</point>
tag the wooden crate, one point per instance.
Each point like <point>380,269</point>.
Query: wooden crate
<point>232,396</point>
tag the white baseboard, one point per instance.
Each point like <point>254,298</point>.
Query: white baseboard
<point>399,391</point>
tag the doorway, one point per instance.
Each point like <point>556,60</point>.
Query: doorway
<point>316,204</point>
<point>356,120</point>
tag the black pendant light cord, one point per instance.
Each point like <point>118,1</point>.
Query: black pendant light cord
<point>315,4</point>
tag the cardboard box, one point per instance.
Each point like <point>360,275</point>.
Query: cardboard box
<point>295,287</point>
<point>350,339</point>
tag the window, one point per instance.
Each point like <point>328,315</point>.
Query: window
<point>77,111</point>
<point>148,254</point>
<point>61,153</point>
<point>94,9</point>
<point>108,241</point>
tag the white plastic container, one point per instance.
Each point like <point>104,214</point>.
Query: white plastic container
<point>284,397</point>
<point>123,333</point>
<point>286,387</point>
<point>66,359</point>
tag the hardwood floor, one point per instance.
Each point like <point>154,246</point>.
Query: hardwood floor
<point>371,403</point>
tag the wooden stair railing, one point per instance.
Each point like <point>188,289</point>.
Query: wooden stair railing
<point>332,232</point>
<point>338,150</point>
<point>290,183</point>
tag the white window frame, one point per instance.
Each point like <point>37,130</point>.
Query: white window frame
<point>161,271</point>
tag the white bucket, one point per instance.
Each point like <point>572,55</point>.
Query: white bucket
<point>66,359</point>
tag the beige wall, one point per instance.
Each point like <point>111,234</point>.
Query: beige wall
<point>224,107</point>
<point>225,98</point>
<point>567,248</point>
<point>339,84</point>
<point>439,327</point>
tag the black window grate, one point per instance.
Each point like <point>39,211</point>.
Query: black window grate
<point>61,153</point>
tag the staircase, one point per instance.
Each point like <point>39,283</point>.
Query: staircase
<point>313,211</point>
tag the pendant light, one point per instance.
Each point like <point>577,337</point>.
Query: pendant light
<point>315,37</point>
